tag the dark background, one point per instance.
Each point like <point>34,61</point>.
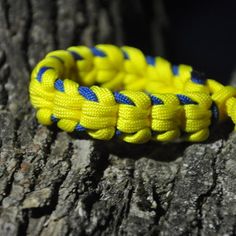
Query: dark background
<point>198,33</point>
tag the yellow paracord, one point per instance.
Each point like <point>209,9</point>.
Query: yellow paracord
<point>137,97</point>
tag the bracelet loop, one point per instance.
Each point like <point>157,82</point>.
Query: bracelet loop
<point>109,91</point>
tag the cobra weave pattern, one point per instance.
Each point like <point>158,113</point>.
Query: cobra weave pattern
<point>109,91</point>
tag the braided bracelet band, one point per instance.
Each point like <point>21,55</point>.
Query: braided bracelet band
<point>138,97</point>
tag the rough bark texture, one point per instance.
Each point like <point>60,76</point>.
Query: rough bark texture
<point>54,184</point>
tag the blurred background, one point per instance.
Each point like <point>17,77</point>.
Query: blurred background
<point>199,33</point>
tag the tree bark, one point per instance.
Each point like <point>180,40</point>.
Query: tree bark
<point>54,184</point>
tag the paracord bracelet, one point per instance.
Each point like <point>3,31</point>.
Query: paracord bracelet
<point>138,97</point>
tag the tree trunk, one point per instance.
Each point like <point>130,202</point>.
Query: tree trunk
<point>54,184</point>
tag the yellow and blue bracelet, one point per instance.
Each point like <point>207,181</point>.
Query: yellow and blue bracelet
<point>109,91</point>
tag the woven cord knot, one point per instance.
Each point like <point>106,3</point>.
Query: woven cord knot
<point>225,98</point>
<point>231,109</point>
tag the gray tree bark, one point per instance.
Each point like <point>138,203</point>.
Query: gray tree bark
<point>54,184</point>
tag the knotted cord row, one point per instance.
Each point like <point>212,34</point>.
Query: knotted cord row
<point>109,91</point>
